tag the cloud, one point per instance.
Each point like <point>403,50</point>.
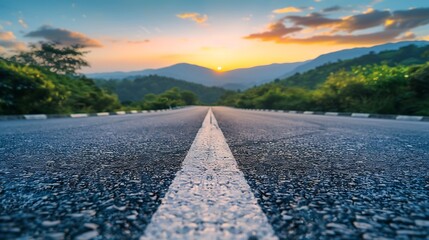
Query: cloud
<point>22,23</point>
<point>196,17</point>
<point>274,30</point>
<point>287,10</point>
<point>365,39</point>
<point>138,41</point>
<point>7,36</point>
<point>364,21</point>
<point>63,36</point>
<point>371,27</point>
<point>408,19</point>
<point>312,20</point>
<point>332,9</point>
<point>8,41</point>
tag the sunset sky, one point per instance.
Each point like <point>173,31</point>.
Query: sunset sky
<point>134,34</point>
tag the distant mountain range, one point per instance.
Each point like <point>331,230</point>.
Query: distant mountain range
<point>132,90</point>
<point>248,77</point>
<point>349,54</point>
<point>235,79</point>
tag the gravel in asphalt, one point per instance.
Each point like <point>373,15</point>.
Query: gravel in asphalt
<point>321,177</point>
<point>91,178</point>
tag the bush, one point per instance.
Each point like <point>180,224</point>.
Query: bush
<point>27,90</point>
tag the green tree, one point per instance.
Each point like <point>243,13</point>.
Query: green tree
<point>27,90</point>
<point>419,80</point>
<point>54,57</point>
<point>189,97</point>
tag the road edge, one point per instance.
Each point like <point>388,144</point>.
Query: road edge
<point>79,115</point>
<point>348,114</point>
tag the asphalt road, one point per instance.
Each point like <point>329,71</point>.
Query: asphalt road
<point>321,177</point>
<point>315,177</point>
<point>92,177</point>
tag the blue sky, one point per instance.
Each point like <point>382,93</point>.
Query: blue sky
<point>131,34</point>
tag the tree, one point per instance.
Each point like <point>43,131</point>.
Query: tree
<point>54,57</point>
<point>419,80</point>
<point>26,90</point>
<point>189,97</point>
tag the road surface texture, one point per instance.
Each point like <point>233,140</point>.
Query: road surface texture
<point>321,177</point>
<point>99,177</point>
<point>314,177</point>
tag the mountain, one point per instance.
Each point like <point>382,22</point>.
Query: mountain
<point>235,79</point>
<point>130,90</point>
<point>260,74</point>
<point>248,77</point>
<point>389,82</point>
<point>405,56</point>
<point>349,54</point>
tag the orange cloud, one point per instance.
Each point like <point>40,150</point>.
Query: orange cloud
<point>274,31</point>
<point>7,36</point>
<point>397,26</point>
<point>196,17</point>
<point>8,41</point>
<point>138,41</point>
<point>287,10</point>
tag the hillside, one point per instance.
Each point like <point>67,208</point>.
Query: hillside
<point>131,90</point>
<point>27,90</point>
<point>236,79</point>
<point>390,82</point>
<point>407,55</point>
<point>349,54</point>
<point>245,78</point>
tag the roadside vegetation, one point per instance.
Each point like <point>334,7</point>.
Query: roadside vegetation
<point>391,82</point>
<point>45,80</point>
<point>136,89</point>
<point>171,98</point>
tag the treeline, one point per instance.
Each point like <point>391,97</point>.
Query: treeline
<point>385,88</point>
<point>44,80</point>
<point>406,56</point>
<point>131,90</point>
<point>30,90</point>
<point>171,98</point>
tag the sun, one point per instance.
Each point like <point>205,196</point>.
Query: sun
<point>219,68</point>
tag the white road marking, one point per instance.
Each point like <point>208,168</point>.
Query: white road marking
<point>209,197</point>
<point>409,118</point>
<point>35,116</point>
<point>78,115</point>
<point>360,115</point>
